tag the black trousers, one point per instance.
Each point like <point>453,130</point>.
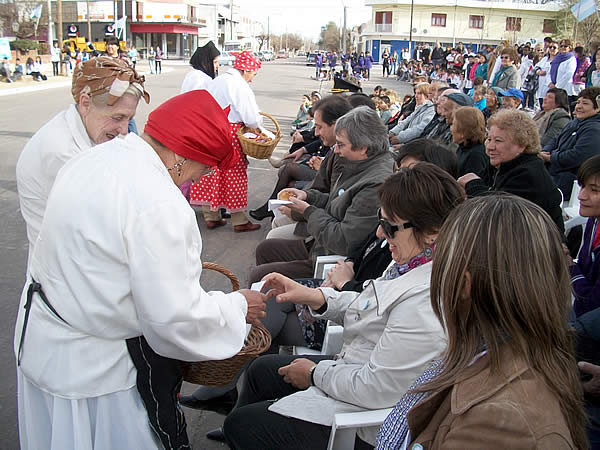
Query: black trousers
<point>285,256</point>
<point>252,426</point>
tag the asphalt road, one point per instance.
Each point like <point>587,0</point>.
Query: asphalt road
<point>278,88</point>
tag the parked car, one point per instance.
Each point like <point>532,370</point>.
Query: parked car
<point>301,53</point>
<point>260,55</point>
<point>226,59</point>
<point>282,54</point>
<point>310,59</point>
<point>268,55</point>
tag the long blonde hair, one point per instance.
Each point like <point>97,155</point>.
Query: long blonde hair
<point>519,298</point>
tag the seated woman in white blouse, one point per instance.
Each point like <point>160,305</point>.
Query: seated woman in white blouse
<point>390,331</point>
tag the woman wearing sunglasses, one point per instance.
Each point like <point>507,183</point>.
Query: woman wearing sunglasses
<point>390,331</point>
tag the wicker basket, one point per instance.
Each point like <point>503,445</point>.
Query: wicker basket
<point>220,373</point>
<point>259,150</point>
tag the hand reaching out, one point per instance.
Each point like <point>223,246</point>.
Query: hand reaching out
<point>287,290</point>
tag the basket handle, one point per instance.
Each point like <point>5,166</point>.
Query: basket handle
<point>273,120</point>
<point>235,284</point>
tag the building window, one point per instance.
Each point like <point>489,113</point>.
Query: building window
<point>549,26</point>
<point>438,20</point>
<point>383,22</point>
<point>476,22</point>
<point>513,24</point>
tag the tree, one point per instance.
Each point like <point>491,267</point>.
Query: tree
<point>330,37</point>
<point>20,13</point>
<point>587,31</point>
<point>262,40</point>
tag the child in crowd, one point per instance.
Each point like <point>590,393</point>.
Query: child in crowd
<point>384,108</point>
<point>302,114</point>
<point>479,97</point>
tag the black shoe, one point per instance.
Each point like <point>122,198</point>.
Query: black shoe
<point>221,405</point>
<point>225,214</point>
<point>216,435</point>
<point>260,213</point>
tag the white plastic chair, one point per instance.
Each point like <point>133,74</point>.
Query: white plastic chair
<point>344,426</point>
<point>571,209</point>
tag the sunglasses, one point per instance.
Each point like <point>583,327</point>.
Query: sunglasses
<point>553,47</point>
<point>564,46</point>
<point>390,229</point>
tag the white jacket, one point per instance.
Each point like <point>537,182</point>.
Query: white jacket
<point>194,80</point>
<point>543,80</point>
<point>43,156</point>
<point>564,75</point>
<point>230,89</point>
<point>118,256</point>
<point>390,336</point>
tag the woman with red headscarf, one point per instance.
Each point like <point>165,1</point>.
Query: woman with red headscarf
<point>112,297</point>
<point>229,189</point>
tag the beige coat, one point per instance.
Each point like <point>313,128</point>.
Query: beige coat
<point>390,336</point>
<point>513,408</point>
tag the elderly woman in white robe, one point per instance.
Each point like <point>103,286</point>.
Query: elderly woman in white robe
<point>113,299</point>
<point>106,93</point>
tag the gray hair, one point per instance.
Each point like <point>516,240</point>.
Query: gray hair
<point>364,129</point>
<point>102,99</point>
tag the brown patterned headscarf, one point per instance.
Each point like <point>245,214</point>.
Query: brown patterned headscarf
<point>105,74</point>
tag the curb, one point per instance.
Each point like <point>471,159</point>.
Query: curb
<point>65,83</point>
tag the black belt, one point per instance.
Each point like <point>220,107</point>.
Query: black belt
<point>34,287</point>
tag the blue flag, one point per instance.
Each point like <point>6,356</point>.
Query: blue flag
<point>584,9</point>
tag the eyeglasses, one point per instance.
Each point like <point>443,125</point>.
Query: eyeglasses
<point>390,229</point>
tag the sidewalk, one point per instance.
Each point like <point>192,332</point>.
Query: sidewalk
<point>27,84</point>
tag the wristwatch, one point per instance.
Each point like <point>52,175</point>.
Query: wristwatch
<point>311,373</point>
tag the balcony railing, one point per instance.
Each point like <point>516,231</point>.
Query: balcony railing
<point>383,28</point>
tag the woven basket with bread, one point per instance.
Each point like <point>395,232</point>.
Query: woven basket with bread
<point>220,373</point>
<point>257,144</point>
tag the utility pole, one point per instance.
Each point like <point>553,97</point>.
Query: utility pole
<point>344,31</point>
<point>50,43</point>
<point>268,33</point>
<point>124,22</point>
<point>412,7</point>
<point>59,25</point>
<point>231,18</point>
<point>89,34</point>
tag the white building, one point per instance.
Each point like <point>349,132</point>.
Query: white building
<point>472,22</point>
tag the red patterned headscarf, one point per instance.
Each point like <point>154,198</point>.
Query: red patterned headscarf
<point>247,61</point>
<point>194,126</point>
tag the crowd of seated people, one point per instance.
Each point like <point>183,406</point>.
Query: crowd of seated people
<point>355,206</point>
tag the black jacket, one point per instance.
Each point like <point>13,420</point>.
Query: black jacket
<point>526,177</point>
<point>578,141</point>
<point>370,261</point>
<point>472,159</point>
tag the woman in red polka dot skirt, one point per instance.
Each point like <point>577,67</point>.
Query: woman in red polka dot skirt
<point>229,189</point>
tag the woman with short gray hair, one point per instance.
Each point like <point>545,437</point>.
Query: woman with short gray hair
<point>364,128</point>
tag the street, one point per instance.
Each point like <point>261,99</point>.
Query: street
<point>278,86</point>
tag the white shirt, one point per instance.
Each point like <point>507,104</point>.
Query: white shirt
<point>230,89</point>
<point>194,80</point>
<point>526,65</point>
<point>543,80</point>
<point>43,156</point>
<point>564,75</point>
<point>118,256</point>
<point>55,54</point>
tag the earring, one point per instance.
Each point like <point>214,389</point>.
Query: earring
<point>178,166</point>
